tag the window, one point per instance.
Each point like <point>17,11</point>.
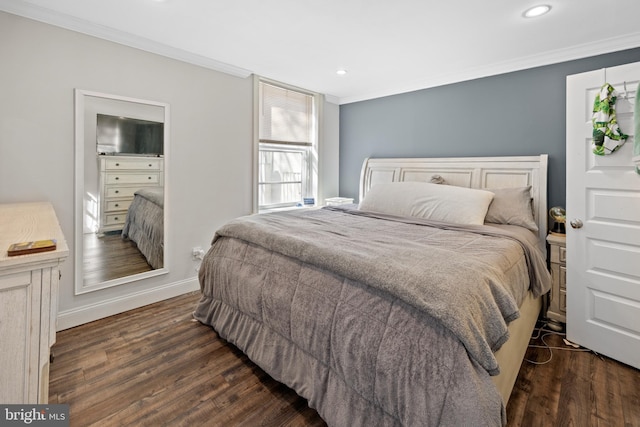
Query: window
<point>287,145</point>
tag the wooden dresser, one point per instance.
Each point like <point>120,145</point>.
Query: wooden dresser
<point>120,177</point>
<point>28,301</point>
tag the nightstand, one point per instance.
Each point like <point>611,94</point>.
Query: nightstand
<point>337,201</point>
<point>557,310</point>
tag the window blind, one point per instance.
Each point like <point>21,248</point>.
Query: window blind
<point>286,116</point>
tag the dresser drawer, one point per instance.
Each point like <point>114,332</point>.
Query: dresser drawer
<point>563,277</point>
<point>132,178</point>
<point>19,280</point>
<point>113,192</point>
<point>115,219</point>
<point>117,205</point>
<point>563,254</point>
<point>153,164</point>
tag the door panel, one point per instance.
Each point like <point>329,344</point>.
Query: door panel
<point>603,256</point>
<point>620,314</point>
<point>613,258</point>
<point>614,206</point>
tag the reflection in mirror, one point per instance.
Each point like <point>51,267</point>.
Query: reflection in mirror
<point>121,146</point>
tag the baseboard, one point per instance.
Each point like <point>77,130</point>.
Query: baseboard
<point>88,313</point>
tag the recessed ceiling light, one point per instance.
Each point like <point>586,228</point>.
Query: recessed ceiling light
<point>534,11</point>
<point>341,72</point>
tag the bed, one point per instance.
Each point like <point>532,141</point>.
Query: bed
<point>144,224</point>
<point>392,312</point>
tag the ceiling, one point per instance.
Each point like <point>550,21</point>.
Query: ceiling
<point>387,47</point>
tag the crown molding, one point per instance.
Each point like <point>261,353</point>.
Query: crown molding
<point>586,50</point>
<point>57,19</point>
<point>28,10</point>
<point>331,99</point>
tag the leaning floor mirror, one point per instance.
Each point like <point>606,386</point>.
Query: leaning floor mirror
<point>121,147</point>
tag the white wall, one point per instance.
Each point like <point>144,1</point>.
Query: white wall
<point>209,163</point>
<point>329,152</point>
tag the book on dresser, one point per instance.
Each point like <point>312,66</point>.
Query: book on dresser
<point>24,248</point>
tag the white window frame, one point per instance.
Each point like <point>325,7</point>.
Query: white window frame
<point>310,168</point>
<point>304,176</point>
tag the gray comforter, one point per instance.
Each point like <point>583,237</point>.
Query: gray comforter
<point>375,320</point>
<point>144,224</point>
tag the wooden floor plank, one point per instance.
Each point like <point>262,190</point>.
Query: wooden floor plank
<point>108,257</point>
<point>578,384</point>
<point>606,401</point>
<point>575,392</point>
<point>630,389</point>
<point>155,366</point>
<point>135,378</point>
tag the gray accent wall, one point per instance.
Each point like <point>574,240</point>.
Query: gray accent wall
<point>516,114</point>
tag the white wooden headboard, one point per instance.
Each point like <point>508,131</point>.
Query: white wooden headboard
<point>473,172</point>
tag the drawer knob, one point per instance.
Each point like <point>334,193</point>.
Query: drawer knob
<point>150,165</point>
<point>117,178</point>
<point>117,191</point>
<point>117,205</point>
<point>117,164</point>
<point>116,218</point>
<point>149,178</point>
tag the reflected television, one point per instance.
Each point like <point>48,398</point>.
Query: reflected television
<point>118,135</point>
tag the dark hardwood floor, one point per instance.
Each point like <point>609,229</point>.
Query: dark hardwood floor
<point>110,257</point>
<point>575,388</point>
<point>155,366</point>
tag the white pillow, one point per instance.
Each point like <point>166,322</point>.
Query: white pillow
<point>459,205</point>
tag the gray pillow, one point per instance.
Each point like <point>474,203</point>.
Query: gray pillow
<point>511,206</point>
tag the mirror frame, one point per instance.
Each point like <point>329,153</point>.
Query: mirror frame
<point>80,97</point>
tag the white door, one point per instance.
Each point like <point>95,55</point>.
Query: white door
<point>603,194</point>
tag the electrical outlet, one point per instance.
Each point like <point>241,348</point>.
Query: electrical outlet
<point>197,252</point>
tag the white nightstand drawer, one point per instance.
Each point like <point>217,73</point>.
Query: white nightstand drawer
<point>563,254</point>
<point>563,300</point>
<point>563,277</point>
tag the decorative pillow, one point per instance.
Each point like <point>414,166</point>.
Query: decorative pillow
<point>448,203</point>
<point>511,206</point>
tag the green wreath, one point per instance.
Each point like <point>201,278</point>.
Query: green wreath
<point>607,136</point>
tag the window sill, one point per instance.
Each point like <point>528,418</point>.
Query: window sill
<point>287,208</point>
